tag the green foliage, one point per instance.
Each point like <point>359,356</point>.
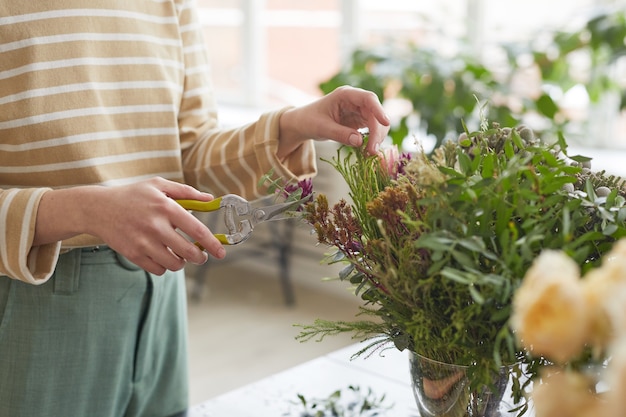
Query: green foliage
<point>437,246</point>
<point>351,402</point>
<point>442,90</point>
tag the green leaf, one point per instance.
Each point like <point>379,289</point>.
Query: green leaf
<point>474,244</point>
<point>508,150</point>
<point>465,142</point>
<point>550,159</point>
<point>451,172</point>
<point>476,296</point>
<point>488,166</point>
<point>577,158</point>
<point>456,275</point>
<point>465,163</point>
<point>437,266</point>
<point>358,278</point>
<point>345,272</point>
<point>517,140</point>
<point>434,242</point>
<point>609,229</point>
<point>555,184</point>
<point>566,230</point>
<point>547,106</point>
<point>591,193</point>
<point>462,258</point>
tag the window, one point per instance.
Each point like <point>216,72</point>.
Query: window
<point>275,52</point>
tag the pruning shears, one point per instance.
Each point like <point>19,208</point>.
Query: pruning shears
<point>235,207</point>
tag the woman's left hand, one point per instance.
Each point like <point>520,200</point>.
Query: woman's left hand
<point>336,116</point>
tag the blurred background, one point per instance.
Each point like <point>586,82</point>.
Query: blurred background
<point>558,66</point>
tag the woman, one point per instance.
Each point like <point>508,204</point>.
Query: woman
<point>106,117</point>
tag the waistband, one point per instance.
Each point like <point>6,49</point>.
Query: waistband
<point>67,271</point>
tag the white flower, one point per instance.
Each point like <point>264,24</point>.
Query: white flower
<point>549,309</point>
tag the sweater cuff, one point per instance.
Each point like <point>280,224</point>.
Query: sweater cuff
<point>42,262</point>
<point>298,165</point>
<point>19,259</point>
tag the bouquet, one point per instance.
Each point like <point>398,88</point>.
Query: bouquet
<point>436,245</point>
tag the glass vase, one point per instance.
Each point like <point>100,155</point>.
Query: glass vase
<point>443,390</point>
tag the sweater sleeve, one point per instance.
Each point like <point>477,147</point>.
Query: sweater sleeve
<point>19,259</point>
<point>227,161</point>
<point>233,161</point>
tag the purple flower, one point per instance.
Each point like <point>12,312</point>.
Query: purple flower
<point>389,160</point>
<point>303,190</point>
<point>354,247</point>
<point>394,162</point>
<point>403,161</point>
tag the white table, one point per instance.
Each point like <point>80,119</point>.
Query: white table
<point>384,373</point>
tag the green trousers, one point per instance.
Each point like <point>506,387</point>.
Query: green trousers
<point>101,338</point>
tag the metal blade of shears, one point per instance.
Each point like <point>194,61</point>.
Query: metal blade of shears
<point>275,212</point>
<point>240,217</point>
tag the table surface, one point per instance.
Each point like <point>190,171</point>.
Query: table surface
<point>384,373</point>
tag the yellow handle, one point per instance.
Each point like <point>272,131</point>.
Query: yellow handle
<point>206,206</point>
<point>220,236</point>
<point>196,205</point>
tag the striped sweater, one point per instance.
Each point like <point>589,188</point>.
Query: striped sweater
<point>111,92</point>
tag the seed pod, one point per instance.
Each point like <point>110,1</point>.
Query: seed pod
<point>527,134</point>
<point>603,191</point>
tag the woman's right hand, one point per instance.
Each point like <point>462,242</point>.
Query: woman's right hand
<point>140,221</point>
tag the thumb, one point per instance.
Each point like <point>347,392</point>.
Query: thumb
<point>347,136</point>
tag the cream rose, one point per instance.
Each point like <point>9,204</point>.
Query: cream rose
<point>615,377</point>
<point>605,290</point>
<point>566,394</point>
<point>549,310</point>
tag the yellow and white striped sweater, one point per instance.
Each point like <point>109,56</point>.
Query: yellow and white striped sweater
<point>111,92</point>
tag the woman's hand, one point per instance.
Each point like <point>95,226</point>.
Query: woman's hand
<point>140,221</point>
<point>336,116</point>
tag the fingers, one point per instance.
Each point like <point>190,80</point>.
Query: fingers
<point>157,234</point>
<point>361,109</point>
<point>378,122</point>
<point>377,134</point>
<point>373,106</point>
<point>191,226</point>
<point>177,190</point>
<point>154,257</point>
<point>197,232</point>
<point>172,251</point>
